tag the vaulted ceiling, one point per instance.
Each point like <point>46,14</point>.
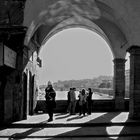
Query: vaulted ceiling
<point>116,21</point>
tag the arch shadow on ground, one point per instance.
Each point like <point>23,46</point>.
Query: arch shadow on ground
<point>95,128</point>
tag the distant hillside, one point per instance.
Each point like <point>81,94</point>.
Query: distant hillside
<point>97,82</point>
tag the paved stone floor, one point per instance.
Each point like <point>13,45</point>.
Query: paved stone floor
<point>97,126</point>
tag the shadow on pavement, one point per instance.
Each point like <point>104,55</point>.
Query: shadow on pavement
<point>62,117</point>
<point>95,128</point>
<point>24,134</point>
<point>75,118</point>
<point>59,114</point>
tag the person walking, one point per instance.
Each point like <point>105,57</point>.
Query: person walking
<point>82,102</point>
<point>89,101</point>
<point>50,100</point>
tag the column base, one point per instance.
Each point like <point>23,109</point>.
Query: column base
<point>134,116</point>
<point>119,104</point>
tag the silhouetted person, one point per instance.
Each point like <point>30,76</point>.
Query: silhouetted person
<point>50,100</point>
<point>68,100</point>
<point>72,101</point>
<point>82,102</point>
<point>89,101</point>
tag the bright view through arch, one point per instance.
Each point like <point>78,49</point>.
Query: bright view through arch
<point>80,58</point>
<point>127,75</point>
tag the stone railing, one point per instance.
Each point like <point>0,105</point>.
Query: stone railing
<point>108,91</point>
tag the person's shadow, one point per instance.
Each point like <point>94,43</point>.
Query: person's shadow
<point>36,127</point>
<point>62,117</point>
<point>95,128</point>
<point>24,135</point>
<point>60,114</point>
<point>75,118</point>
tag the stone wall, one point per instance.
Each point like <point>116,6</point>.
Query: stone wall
<point>97,106</point>
<point>12,12</point>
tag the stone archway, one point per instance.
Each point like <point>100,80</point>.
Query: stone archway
<point>44,19</point>
<point>116,21</point>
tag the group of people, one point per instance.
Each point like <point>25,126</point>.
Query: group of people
<point>84,103</point>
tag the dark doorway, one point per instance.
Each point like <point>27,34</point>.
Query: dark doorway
<point>32,96</point>
<point>31,91</point>
<point>24,96</point>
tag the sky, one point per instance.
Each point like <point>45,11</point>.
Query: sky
<point>74,54</point>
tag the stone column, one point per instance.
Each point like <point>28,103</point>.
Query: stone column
<point>119,83</point>
<point>134,103</point>
<point>2,88</point>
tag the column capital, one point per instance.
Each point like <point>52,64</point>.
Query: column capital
<point>134,49</point>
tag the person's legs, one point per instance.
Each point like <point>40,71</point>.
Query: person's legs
<point>84,109</point>
<point>80,110</point>
<point>50,113</point>
<point>68,107</point>
<point>89,107</point>
<point>73,107</point>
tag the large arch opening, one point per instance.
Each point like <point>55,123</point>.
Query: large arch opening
<point>47,24</point>
<point>77,57</point>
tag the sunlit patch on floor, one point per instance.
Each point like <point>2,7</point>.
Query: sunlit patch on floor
<point>116,130</point>
<point>122,117</point>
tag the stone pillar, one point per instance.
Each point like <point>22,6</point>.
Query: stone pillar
<point>134,103</point>
<point>2,88</point>
<point>119,83</point>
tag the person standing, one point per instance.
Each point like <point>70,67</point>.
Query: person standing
<point>72,101</point>
<point>82,102</point>
<point>50,100</point>
<point>68,101</point>
<point>89,101</point>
